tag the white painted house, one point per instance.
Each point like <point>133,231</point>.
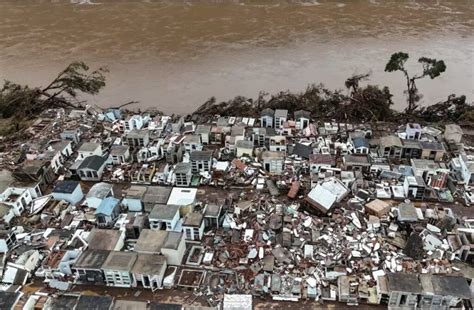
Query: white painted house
<point>69,191</point>
<point>174,248</point>
<point>413,131</point>
<point>17,198</point>
<point>302,119</point>
<point>266,118</point>
<point>281,116</point>
<point>97,193</point>
<point>204,131</point>
<point>134,198</point>
<point>119,154</point>
<point>273,162</point>
<point>117,268</point>
<point>193,226</point>
<point>149,271</point>
<point>467,168</point>
<point>244,147</point>
<point>7,240</point>
<point>164,217</point>
<point>89,149</point>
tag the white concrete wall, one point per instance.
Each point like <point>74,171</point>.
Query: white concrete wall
<point>134,205</point>
<point>72,198</point>
<point>93,202</point>
<point>175,257</point>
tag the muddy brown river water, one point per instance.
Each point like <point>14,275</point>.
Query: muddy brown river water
<point>175,55</point>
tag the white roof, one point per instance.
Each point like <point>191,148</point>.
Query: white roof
<point>336,187</point>
<point>237,302</point>
<point>222,165</point>
<point>322,196</point>
<point>398,191</point>
<point>182,196</point>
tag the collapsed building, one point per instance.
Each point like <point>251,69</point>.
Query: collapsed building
<point>233,210</point>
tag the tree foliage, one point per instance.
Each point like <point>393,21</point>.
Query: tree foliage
<point>431,68</point>
<point>454,108</point>
<point>20,101</point>
<point>364,104</point>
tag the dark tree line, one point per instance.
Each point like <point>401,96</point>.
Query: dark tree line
<point>362,104</point>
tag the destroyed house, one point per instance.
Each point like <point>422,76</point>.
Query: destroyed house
<point>277,144</point>
<point>92,168</point>
<point>134,224</point>
<point>59,263</point>
<point>407,212</point>
<point>7,240</point>
<point>318,161</point>
<point>217,135</point>
<point>174,153</point>
<point>16,198</point>
<point>64,148</point>
<point>35,170</point>
<point>54,157</point>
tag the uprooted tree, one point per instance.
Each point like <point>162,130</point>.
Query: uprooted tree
<point>431,67</point>
<point>21,101</point>
<point>364,103</point>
